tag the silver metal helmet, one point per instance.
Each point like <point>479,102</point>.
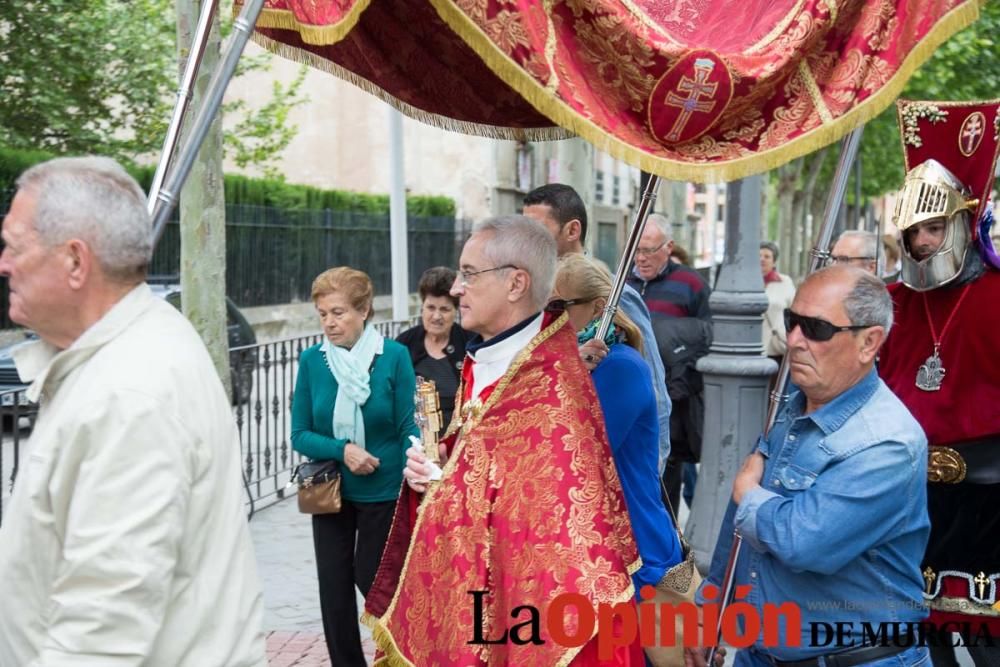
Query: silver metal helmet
<point>931,193</point>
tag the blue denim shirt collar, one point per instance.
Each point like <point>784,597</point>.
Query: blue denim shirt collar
<point>832,416</point>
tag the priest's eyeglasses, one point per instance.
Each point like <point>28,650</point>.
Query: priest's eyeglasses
<point>816,328</point>
<point>465,278</point>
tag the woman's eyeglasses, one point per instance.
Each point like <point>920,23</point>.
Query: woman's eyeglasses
<point>815,328</point>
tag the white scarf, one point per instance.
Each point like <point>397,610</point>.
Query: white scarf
<point>350,368</point>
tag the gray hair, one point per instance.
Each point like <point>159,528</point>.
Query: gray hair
<point>93,199</point>
<point>663,224</point>
<point>869,239</point>
<point>869,303</point>
<point>526,244</point>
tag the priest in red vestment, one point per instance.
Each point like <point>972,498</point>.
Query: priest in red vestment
<point>528,506</point>
<point>942,358</point>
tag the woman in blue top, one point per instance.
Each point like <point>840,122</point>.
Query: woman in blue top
<point>353,402</point>
<point>625,389</point>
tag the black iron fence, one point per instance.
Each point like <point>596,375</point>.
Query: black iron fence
<point>263,419</point>
<point>273,255</point>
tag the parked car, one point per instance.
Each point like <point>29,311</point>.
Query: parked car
<point>241,362</point>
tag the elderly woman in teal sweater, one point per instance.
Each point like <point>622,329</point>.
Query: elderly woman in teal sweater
<point>353,402</point>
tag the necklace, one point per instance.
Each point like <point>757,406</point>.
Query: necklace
<point>931,373</point>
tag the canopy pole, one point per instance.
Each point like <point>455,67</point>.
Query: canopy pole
<point>184,97</point>
<point>166,198</point>
<point>641,214</point>
<point>397,220</point>
<point>819,255</point>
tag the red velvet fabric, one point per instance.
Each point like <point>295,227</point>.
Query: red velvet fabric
<point>734,86</point>
<point>966,406</point>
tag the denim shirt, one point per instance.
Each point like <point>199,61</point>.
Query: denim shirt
<point>838,524</point>
<point>633,306</point>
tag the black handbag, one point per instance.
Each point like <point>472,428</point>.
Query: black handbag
<point>318,484</point>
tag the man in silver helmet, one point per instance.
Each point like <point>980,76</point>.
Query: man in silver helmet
<point>941,361</point>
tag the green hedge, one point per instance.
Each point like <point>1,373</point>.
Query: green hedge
<point>258,191</point>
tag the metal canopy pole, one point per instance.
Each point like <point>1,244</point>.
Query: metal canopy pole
<point>819,255</point>
<point>166,198</point>
<point>648,197</point>
<point>184,96</point>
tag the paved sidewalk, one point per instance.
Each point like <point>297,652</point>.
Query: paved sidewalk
<point>282,538</point>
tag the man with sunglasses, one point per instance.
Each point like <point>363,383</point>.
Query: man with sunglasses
<point>943,363</point>
<point>832,504</point>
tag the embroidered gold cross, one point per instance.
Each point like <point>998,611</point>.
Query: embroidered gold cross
<point>981,582</point>
<point>696,88</point>
<point>929,577</point>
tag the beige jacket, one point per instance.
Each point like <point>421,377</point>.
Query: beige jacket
<point>779,297</point>
<point>125,541</point>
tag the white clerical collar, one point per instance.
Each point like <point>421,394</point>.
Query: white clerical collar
<point>492,362</point>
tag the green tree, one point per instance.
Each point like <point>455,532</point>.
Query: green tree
<point>260,135</point>
<point>86,77</point>
<point>100,76</point>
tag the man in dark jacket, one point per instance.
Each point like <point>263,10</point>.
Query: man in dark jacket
<point>677,299</point>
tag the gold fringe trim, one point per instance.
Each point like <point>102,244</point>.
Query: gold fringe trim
<point>368,620</point>
<point>505,68</point>
<point>303,56</point>
<point>385,641</point>
<point>814,93</point>
<point>317,35</point>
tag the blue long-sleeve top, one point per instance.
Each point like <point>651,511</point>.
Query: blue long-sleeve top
<point>388,416</point>
<point>633,306</point>
<point>625,390</point>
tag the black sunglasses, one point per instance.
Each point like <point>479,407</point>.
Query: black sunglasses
<point>559,305</point>
<point>815,328</point>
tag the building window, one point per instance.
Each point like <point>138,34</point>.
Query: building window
<point>616,191</point>
<point>599,186</point>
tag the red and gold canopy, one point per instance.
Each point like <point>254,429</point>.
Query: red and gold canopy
<point>700,90</point>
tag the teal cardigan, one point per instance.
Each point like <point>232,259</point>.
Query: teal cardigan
<point>388,415</point>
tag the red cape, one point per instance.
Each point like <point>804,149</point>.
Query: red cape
<point>530,507</point>
<point>967,406</point>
